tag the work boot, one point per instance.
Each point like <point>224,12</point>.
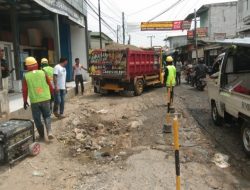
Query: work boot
<point>56,114</point>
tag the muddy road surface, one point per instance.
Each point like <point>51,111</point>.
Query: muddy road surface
<point>116,142</point>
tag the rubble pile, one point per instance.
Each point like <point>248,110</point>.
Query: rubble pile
<point>88,133</point>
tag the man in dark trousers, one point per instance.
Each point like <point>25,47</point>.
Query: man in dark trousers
<point>78,75</point>
<point>37,86</point>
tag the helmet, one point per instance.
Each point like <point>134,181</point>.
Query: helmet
<point>169,59</point>
<point>30,61</point>
<point>44,61</point>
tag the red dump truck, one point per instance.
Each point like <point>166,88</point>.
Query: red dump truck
<point>125,70</point>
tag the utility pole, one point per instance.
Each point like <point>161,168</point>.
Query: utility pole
<point>195,36</point>
<point>151,40</point>
<point>117,33</point>
<point>123,28</point>
<point>100,23</point>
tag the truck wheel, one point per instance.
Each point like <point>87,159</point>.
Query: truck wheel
<point>139,87</point>
<point>215,115</point>
<point>245,134</point>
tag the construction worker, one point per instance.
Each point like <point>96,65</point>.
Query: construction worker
<point>37,86</point>
<point>49,71</point>
<point>170,77</point>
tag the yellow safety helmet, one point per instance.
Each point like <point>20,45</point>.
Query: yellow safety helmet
<point>30,61</point>
<point>44,61</point>
<point>169,59</point>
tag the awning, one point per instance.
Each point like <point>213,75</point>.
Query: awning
<point>210,47</point>
<point>63,8</point>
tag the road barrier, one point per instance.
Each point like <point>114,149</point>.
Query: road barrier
<point>176,149</point>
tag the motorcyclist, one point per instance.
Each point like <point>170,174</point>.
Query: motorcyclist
<point>200,71</point>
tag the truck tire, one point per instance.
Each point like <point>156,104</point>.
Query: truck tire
<point>245,137</point>
<point>215,115</point>
<point>139,87</point>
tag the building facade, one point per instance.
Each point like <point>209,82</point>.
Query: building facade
<point>243,18</point>
<point>42,28</point>
<point>176,41</point>
<point>217,21</point>
<point>95,40</point>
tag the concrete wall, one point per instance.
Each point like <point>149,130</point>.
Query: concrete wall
<point>243,11</point>
<point>95,43</point>
<point>78,45</point>
<point>177,41</point>
<point>222,19</point>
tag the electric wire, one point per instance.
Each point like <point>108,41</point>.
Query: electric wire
<point>113,4</point>
<point>112,10</point>
<point>101,18</point>
<point>148,7</point>
<point>169,8</point>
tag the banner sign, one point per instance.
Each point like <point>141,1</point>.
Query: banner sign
<point>63,8</point>
<point>200,33</point>
<point>165,25</point>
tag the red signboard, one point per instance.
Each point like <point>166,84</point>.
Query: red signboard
<point>200,33</point>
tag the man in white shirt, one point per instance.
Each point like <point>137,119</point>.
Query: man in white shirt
<point>78,75</point>
<point>59,79</point>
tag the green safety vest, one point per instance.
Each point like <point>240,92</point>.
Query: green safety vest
<point>171,75</point>
<point>38,89</point>
<point>49,71</point>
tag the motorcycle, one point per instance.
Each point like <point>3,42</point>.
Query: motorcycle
<point>200,83</point>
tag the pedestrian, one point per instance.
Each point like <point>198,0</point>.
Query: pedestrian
<point>178,67</point>
<point>78,75</point>
<point>37,86</point>
<point>4,71</point>
<point>59,79</point>
<point>170,76</point>
<point>49,71</point>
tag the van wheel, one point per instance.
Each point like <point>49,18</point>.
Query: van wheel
<point>215,115</point>
<point>245,135</point>
<point>139,87</point>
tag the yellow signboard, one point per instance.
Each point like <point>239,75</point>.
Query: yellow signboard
<point>165,25</point>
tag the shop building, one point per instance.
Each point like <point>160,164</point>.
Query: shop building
<point>243,18</point>
<point>217,22</point>
<point>42,28</point>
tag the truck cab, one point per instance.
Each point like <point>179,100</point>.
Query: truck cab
<point>229,90</point>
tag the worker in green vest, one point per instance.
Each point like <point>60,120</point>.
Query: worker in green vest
<point>170,76</point>
<point>37,86</point>
<point>49,71</point>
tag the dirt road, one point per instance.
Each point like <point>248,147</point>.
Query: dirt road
<point>115,142</point>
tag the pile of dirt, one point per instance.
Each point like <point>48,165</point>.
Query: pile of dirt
<point>95,138</point>
<point>116,46</point>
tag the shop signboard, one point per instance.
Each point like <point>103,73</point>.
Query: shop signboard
<point>165,25</point>
<point>64,8</point>
<point>200,33</point>
<point>219,36</point>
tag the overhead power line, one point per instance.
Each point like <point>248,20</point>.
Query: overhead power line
<point>111,9</point>
<point>101,18</point>
<point>148,7</point>
<point>113,4</point>
<point>169,8</point>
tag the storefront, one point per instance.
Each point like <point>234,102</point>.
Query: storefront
<point>42,28</point>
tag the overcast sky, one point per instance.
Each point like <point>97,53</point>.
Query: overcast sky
<point>137,11</point>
